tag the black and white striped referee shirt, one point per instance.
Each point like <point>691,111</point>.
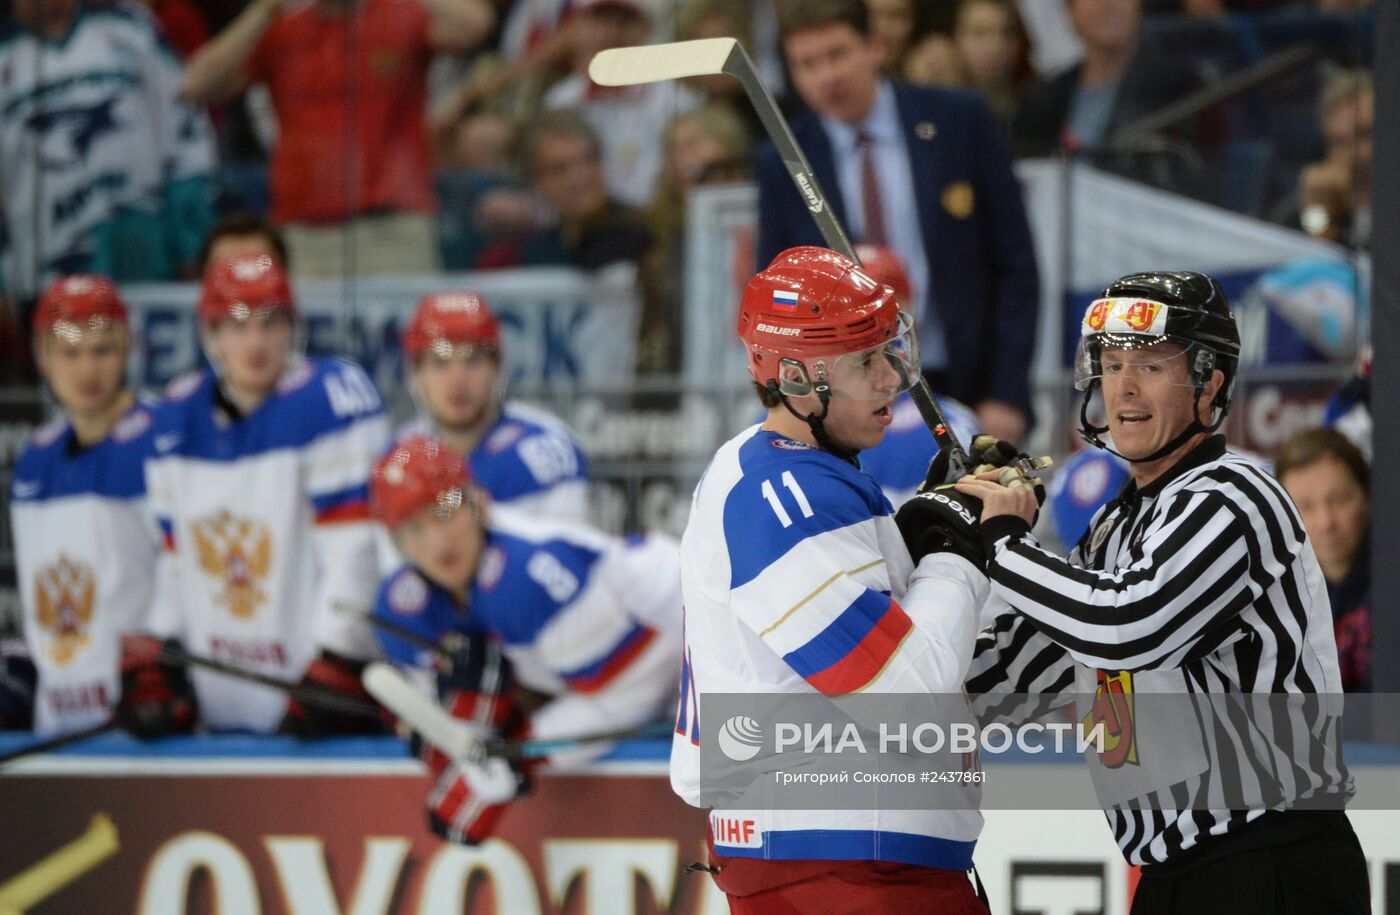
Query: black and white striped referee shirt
<point>1202,582</point>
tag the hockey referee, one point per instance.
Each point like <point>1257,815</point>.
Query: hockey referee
<point>1198,580</point>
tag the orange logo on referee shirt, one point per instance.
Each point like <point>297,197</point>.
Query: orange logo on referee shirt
<point>1113,708</point>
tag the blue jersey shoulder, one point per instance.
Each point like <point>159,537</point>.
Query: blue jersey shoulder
<point>315,396</point>
<point>409,601</point>
<point>526,452</point>
<point>527,577</point>
<point>113,468</point>
<point>790,491</point>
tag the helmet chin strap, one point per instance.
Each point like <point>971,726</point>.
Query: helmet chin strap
<point>816,422</point>
<point>1093,434</point>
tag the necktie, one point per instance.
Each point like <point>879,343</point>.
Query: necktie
<point>870,197</point>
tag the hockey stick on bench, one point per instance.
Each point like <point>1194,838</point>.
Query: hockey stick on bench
<point>398,694</point>
<point>711,56</point>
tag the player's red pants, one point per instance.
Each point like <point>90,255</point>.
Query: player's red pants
<point>757,887</point>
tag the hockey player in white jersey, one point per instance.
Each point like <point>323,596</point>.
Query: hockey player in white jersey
<point>85,545</point>
<point>259,477</point>
<point>588,620</point>
<point>525,458</point>
<point>104,168</point>
<point>796,580</point>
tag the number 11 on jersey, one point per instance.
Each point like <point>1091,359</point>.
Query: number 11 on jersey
<point>771,494</point>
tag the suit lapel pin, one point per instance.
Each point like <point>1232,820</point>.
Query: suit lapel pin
<point>925,130</point>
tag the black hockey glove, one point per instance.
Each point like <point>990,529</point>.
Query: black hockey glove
<point>17,683</point>
<point>942,521</point>
<point>335,673</point>
<point>157,697</point>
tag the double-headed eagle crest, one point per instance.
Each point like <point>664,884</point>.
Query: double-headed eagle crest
<point>64,592</point>
<point>238,552</point>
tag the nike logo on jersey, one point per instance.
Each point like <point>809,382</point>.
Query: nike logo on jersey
<point>166,442</point>
<point>23,489</point>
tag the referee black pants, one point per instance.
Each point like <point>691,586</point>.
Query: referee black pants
<point>1292,863</point>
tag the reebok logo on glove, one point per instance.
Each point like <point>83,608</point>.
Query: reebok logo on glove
<point>954,504</point>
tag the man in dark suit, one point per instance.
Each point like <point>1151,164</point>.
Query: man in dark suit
<point>925,172</point>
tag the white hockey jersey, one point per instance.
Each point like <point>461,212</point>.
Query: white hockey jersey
<point>528,461</point>
<point>85,549</point>
<point>796,580</point>
<point>269,551</point>
<point>591,620</point>
<point>89,125</point>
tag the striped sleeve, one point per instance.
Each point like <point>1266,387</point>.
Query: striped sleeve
<point>1206,558</point>
<point>1017,673</point>
<point>809,579</point>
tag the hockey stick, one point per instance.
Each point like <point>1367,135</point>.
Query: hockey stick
<point>711,56</point>
<point>398,694</point>
<point>60,867</point>
<point>57,743</point>
<point>310,694</point>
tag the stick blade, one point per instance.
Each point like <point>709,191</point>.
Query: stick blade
<point>656,62</point>
<point>398,694</point>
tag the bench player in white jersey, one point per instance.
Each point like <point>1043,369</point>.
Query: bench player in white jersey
<point>259,477</point>
<point>590,621</point>
<point>901,459</point>
<point>85,546</point>
<point>796,580</point>
<point>525,458</point>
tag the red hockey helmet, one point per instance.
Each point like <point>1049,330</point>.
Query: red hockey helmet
<point>420,472</point>
<point>74,305</point>
<point>811,306</point>
<point>451,319</point>
<point>241,287</point>
<point>887,267</point>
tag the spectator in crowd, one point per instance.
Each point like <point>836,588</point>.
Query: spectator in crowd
<point>352,167</point>
<point>933,61</point>
<point>709,145</point>
<point>526,459</point>
<point>85,548</point>
<point>103,169</point>
<point>258,477</point>
<point>182,24</point>
<point>700,19</point>
<point>627,119</point>
<point>479,187</point>
<point>994,52</point>
<point>1329,481</point>
<point>594,229</point>
<point>1117,82</point>
<point>926,172</point>
<point>892,26</point>
<point>242,234</point>
<point>1334,195</point>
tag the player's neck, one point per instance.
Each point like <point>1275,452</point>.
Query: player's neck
<point>464,439</point>
<point>785,424</point>
<point>245,400</point>
<point>91,428</point>
<point>1145,474</point>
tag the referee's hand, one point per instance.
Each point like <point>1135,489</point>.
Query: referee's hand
<point>1003,491</point>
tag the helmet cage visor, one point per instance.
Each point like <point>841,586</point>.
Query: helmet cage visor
<point>876,373</point>
<point>1149,357</point>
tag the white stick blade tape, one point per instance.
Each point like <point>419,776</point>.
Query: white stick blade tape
<point>656,62</point>
<point>398,694</point>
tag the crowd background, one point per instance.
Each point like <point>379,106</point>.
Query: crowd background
<point>398,140</point>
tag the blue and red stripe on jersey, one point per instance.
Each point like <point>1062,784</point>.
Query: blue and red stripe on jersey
<point>853,649</point>
<point>598,674</point>
<point>350,504</point>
